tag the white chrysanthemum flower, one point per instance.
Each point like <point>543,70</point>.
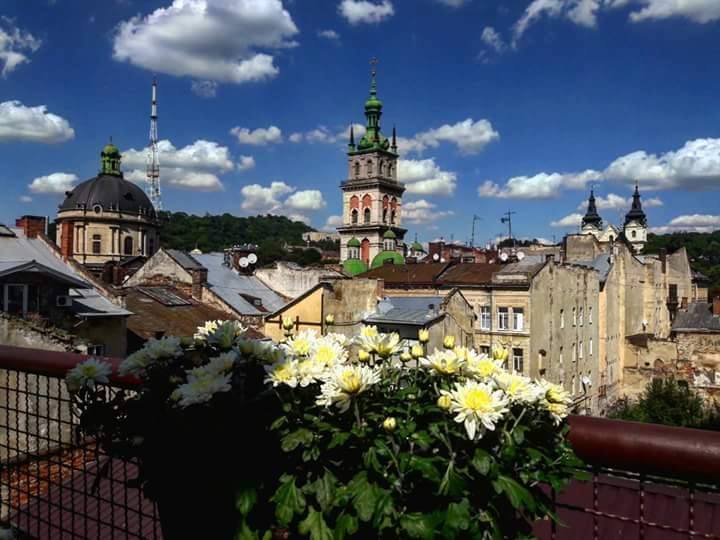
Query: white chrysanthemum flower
<point>88,374</point>
<point>328,352</point>
<point>444,362</point>
<point>226,334</point>
<point>135,364</point>
<point>302,344</point>
<point>345,382</point>
<point>555,399</point>
<point>283,373</point>
<point>216,366</point>
<point>340,339</point>
<point>201,389</point>
<point>387,345</point>
<point>482,367</point>
<point>205,330</point>
<point>154,349</point>
<point>478,406</point>
<point>369,338</point>
<point>517,388</point>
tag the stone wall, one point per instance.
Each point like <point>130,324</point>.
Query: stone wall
<point>292,280</point>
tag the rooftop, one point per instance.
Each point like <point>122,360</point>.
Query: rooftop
<point>412,310</point>
<point>697,318</point>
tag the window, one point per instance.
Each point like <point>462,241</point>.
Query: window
<point>574,385</point>
<point>634,234</point>
<point>385,215</point>
<point>562,318</point>
<point>96,244</point>
<point>96,350</point>
<point>518,319</point>
<point>590,315</point>
<point>518,360</point>
<point>392,217</point>
<point>485,349</point>
<point>357,169</point>
<point>151,246</point>
<point>369,168</point>
<point>574,316</point>
<point>366,215</point>
<point>560,357</point>
<point>503,317</point>
<point>581,315</point>
<point>485,317</point>
<point>580,350</point>
<point>15,299</point>
<point>128,245</point>
<point>574,353</point>
<point>590,347</point>
<point>354,217</point>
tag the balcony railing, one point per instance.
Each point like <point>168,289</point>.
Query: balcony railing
<point>647,481</point>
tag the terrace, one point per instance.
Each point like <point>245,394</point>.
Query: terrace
<point>646,481</point>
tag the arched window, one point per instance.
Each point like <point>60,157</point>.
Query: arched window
<point>392,217</point>
<point>357,169</point>
<point>612,238</point>
<point>367,201</point>
<point>634,234</point>
<point>386,203</point>
<point>128,245</point>
<point>369,168</point>
<point>365,250</point>
<point>354,216</point>
<point>366,215</point>
<point>385,215</point>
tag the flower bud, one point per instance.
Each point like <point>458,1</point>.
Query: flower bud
<point>288,323</point>
<point>405,356</point>
<point>444,402</point>
<point>389,424</point>
<point>363,355</point>
<point>500,353</point>
<point>423,335</point>
<point>449,342</point>
<point>330,319</point>
<point>417,351</point>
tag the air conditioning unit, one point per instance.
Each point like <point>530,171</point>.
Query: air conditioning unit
<point>63,301</point>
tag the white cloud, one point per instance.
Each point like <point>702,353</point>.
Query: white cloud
<point>617,202</point>
<point>421,212</point>
<point>194,167</point>
<point>469,136</point>
<point>700,11</point>
<point>453,3</point>
<point>332,223</point>
<point>309,199</point>
<point>34,124</point>
<point>492,39</point>
<point>264,199</point>
<point>295,137</point>
<point>323,134</point>
<point>539,186</point>
<point>690,223</point>
<point>206,89</point>
<point>246,163</point>
<point>329,34</point>
<point>14,43</point>
<point>25,199</point>
<point>572,220</point>
<point>365,11</point>
<point>215,40</point>
<point>53,183</point>
<point>424,177</point>
<point>259,136</point>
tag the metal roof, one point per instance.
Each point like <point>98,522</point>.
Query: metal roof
<point>417,310</point>
<point>185,260</point>
<point>698,318</point>
<point>601,264</point>
<point>230,285</point>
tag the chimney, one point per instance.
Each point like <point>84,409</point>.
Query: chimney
<point>716,306</point>
<point>31,225</point>
<point>663,260</point>
<point>66,239</point>
<point>199,280</point>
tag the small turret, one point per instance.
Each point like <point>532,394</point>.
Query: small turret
<point>110,160</point>
<point>592,218</point>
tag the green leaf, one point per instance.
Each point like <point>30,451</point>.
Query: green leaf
<point>518,495</point>
<point>364,496</point>
<point>324,488</point>
<point>418,525</point>
<point>458,515</point>
<point>245,533</point>
<point>314,525</point>
<point>481,461</point>
<point>277,424</point>
<point>245,499</point>
<point>288,502</point>
<point>338,439</point>
<point>519,434</point>
<point>346,525</point>
<point>425,467</point>
<point>293,440</point>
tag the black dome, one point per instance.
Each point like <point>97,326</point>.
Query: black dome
<point>111,192</point>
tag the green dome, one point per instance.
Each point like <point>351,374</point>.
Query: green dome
<point>417,246</point>
<point>387,257</point>
<point>110,149</point>
<point>354,267</point>
<point>389,234</point>
<point>353,242</point>
<point>373,103</point>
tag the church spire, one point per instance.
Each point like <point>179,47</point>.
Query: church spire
<point>591,216</point>
<point>393,146</point>
<point>636,212</point>
<point>373,138</point>
<point>351,144</point>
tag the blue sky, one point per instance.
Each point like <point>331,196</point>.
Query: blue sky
<point>517,105</point>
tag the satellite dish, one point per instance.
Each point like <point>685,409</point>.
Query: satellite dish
<point>436,257</point>
<point>442,260</point>
<point>252,258</point>
<point>520,255</point>
<point>243,262</point>
<point>503,257</point>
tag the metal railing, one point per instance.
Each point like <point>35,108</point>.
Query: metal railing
<point>646,481</point>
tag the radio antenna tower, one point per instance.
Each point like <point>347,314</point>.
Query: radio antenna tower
<point>153,161</point>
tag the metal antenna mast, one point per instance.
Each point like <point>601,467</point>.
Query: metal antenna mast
<point>508,219</point>
<point>153,161</point>
<point>476,218</point>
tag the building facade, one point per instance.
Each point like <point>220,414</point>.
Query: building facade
<point>107,218</point>
<point>372,195</point>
